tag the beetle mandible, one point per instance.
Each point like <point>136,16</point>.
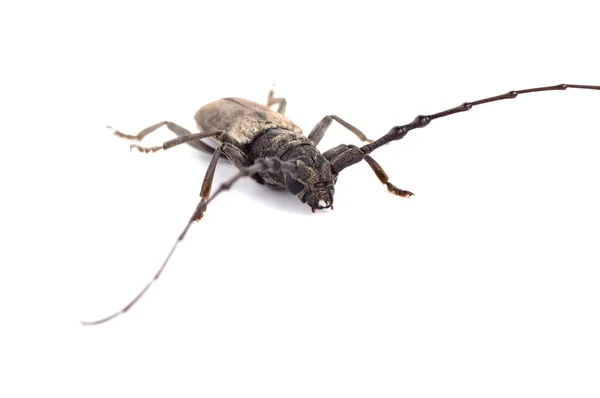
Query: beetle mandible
<point>268,147</point>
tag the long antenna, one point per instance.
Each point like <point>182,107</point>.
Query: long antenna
<point>398,132</point>
<point>260,165</point>
<point>145,289</point>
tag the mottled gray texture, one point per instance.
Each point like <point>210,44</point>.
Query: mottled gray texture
<point>242,120</point>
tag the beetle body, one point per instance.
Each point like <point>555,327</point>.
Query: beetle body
<point>270,148</point>
<point>258,132</point>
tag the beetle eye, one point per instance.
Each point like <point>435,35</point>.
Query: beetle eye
<point>294,186</point>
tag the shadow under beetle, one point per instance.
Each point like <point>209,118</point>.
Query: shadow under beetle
<point>271,149</point>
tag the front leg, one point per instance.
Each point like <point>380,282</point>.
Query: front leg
<point>383,177</point>
<point>343,156</point>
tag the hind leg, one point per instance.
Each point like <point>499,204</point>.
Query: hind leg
<point>177,129</point>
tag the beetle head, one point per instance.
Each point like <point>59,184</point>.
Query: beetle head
<point>315,184</point>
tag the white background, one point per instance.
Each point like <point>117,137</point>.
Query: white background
<point>483,284</point>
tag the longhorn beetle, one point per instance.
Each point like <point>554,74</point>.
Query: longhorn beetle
<point>271,149</point>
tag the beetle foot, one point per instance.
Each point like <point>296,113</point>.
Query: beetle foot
<point>123,135</point>
<point>198,215</point>
<point>397,191</point>
<point>199,212</point>
<point>143,149</point>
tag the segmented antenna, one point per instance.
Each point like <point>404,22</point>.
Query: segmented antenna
<point>273,165</point>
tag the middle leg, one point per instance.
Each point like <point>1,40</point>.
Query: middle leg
<point>235,156</point>
<point>319,130</point>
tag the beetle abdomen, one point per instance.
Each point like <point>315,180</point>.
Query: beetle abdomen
<point>242,120</point>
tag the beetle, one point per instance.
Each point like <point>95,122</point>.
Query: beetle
<point>268,147</point>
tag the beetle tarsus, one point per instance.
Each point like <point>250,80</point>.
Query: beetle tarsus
<point>123,135</point>
<point>397,191</point>
<point>199,213</point>
<point>144,149</point>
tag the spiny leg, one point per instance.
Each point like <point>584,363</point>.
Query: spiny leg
<point>273,165</point>
<point>177,129</point>
<point>178,141</point>
<point>353,155</point>
<point>271,100</point>
<point>319,130</point>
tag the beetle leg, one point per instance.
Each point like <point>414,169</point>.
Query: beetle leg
<point>235,156</point>
<point>319,130</point>
<point>271,100</point>
<point>344,155</point>
<point>383,177</point>
<point>261,165</point>
<point>177,129</point>
<point>177,141</point>
<point>207,183</point>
